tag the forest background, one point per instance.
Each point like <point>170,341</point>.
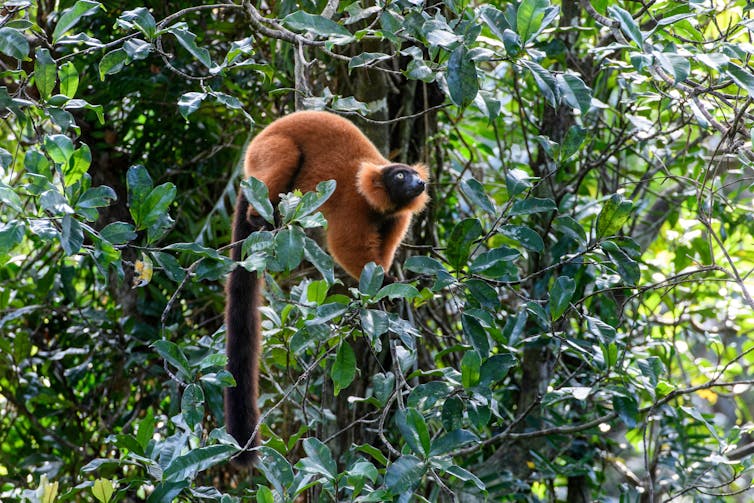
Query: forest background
<point>574,321</point>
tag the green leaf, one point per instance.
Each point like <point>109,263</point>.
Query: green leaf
<point>529,17</point>
<point>190,102</point>
<point>317,25</point>
<point>495,368</point>
<point>741,77</point>
<point>574,92</point>
<point>452,413</point>
<point>383,386</point>
<point>495,20</point>
<point>71,236</point>
<point>417,69</point>
<point>397,291</point>
<point>652,368</point>
<point>319,459</point>
<point>475,334</point>
<point>328,312</point>
<point>96,197</point>
<point>167,492</point>
<point>113,62</point>
<point>533,205</point>
<point>13,43</point>
<point>461,76</point>
<point>139,18</point>
<point>560,296</point>
<point>103,490</point>
<point>11,235</point>
<point>545,81</point>
<point>451,441</point>
<point>517,181</point>
<point>6,159</point>
<point>145,430</point>
<point>69,79</point>
<point>196,249</point>
<point>311,201</point>
<point>471,364</point>
<point>525,236</point>
<point>628,268</point>
<point>197,460</point>
<point>59,147</point>
<point>441,36</point>
<point>426,395</point>
<point>675,64</point>
<point>171,353</point>
<point>139,185</point>
<point>192,405</point>
<point>512,43</point>
<point>700,418</point>
<point>72,16</point>
<point>466,476</point>
<point>627,408</point>
<point>137,49</point>
<point>289,247</point>
<point>188,41</point>
<point>155,206</point>
<point>9,197</point>
<point>569,227</point>
<point>276,469</point>
<point>476,193</point>
<point>360,472</point>
<point>319,259</point>
<point>258,196</point>
<point>627,24</point>
<point>344,367</point>
<point>367,59</point>
<point>604,332</point>
<point>462,237</point>
<point>715,60</point>
<point>414,430</point>
<point>264,495</point>
<point>374,323</point>
<point>572,142</point>
<point>228,100</point>
<point>77,165</point>
<point>404,474</point>
<point>54,202</point>
<point>497,263</point>
<point>45,72</point>
<point>479,414</point>
<point>613,215</point>
<point>431,267</point>
<point>371,279</point>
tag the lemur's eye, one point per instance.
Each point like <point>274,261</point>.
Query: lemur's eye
<point>400,176</point>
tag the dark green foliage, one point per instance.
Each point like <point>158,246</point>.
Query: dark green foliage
<point>573,325</point>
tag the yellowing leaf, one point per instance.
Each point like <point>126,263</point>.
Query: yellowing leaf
<point>143,270</point>
<point>47,491</point>
<point>103,490</point>
<point>708,395</point>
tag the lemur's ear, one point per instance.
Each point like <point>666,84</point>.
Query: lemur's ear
<point>370,185</point>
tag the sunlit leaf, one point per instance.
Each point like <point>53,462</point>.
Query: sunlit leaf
<point>13,43</point>
<point>72,16</point>
<point>45,72</point>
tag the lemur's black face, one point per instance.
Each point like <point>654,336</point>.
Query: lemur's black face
<point>402,183</point>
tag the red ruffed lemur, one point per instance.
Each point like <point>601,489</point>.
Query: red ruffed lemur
<point>367,215</point>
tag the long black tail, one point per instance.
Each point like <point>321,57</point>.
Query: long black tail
<point>243,342</point>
